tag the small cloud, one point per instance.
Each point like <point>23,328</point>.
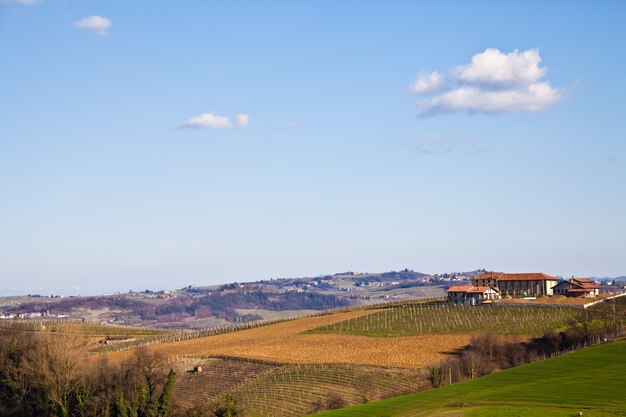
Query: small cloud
<point>242,120</point>
<point>98,24</point>
<point>288,126</point>
<point>493,82</point>
<point>215,121</point>
<point>427,83</point>
<point>442,144</point>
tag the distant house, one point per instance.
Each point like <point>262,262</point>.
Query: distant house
<point>526,284</point>
<point>471,295</point>
<point>577,287</point>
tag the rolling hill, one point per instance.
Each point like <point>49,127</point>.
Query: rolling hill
<point>590,381</point>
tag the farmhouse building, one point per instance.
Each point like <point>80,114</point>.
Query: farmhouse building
<point>526,284</point>
<point>471,295</point>
<point>577,287</point>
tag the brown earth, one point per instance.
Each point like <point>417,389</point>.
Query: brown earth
<point>285,342</point>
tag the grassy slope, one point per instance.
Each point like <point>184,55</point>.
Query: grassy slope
<point>594,378</point>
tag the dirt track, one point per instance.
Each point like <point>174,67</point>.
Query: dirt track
<point>284,342</point>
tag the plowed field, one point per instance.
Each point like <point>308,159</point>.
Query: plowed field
<point>285,342</point>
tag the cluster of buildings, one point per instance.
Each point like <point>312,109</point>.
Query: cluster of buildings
<point>31,315</point>
<point>491,286</point>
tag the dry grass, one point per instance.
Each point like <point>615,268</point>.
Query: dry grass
<point>285,342</point>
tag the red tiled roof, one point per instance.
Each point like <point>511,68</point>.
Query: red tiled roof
<point>479,289</point>
<point>582,280</point>
<point>528,276</point>
<point>584,283</point>
<point>490,275</point>
<point>460,288</point>
<point>468,288</point>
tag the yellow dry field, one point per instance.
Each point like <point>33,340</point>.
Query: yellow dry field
<point>284,342</point>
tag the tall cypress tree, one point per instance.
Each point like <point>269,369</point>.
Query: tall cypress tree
<point>165,399</point>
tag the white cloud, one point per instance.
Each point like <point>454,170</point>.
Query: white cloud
<point>493,82</point>
<point>215,121</point>
<point>494,67</point>
<point>427,82</point>
<point>242,120</point>
<point>98,24</point>
<point>472,99</point>
<point>437,144</point>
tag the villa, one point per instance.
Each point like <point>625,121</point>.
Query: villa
<point>526,284</point>
<point>471,295</point>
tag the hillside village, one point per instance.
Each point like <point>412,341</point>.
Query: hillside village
<point>206,306</point>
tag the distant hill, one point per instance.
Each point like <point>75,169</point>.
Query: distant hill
<point>620,278</point>
<point>199,307</point>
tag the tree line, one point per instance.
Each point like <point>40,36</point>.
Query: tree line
<point>43,374</point>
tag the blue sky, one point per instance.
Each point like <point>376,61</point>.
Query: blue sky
<point>159,144</point>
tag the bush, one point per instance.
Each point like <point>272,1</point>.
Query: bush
<point>334,401</point>
<point>225,407</point>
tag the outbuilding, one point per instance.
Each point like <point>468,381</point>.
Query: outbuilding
<point>577,287</point>
<point>471,295</point>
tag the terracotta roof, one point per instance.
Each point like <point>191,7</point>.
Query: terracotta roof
<point>490,275</point>
<point>479,289</point>
<point>584,283</point>
<point>460,288</point>
<point>527,276</point>
<point>468,288</point>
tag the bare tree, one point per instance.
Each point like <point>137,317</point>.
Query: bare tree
<point>144,376</point>
<point>437,375</point>
<point>583,324</point>
<point>608,315</point>
<point>473,363</point>
<point>16,383</point>
<point>56,366</point>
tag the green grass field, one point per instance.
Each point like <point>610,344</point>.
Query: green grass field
<point>591,381</point>
<point>425,318</point>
